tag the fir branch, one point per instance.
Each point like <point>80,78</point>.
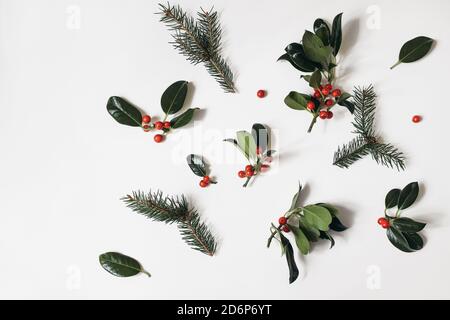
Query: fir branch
<point>348,154</point>
<point>388,155</point>
<point>364,100</point>
<point>199,41</point>
<point>169,210</point>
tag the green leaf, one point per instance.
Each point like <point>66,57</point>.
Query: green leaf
<point>337,225</point>
<point>315,50</point>
<point>336,34</point>
<point>310,231</point>
<point>327,236</point>
<point>124,112</point>
<point>347,104</point>
<point>296,101</point>
<point>307,78</point>
<point>392,198</point>
<point>415,241</point>
<point>344,96</point>
<point>414,50</point>
<point>300,63</point>
<point>294,203</point>
<point>316,79</point>
<point>197,165</point>
<point>408,225</point>
<point>322,30</point>
<point>333,210</point>
<point>408,195</point>
<point>301,240</point>
<point>318,217</point>
<point>247,144</point>
<point>294,47</point>
<point>183,119</point>
<point>173,98</point>
<point>261,136</point>
<point>121,265</point>
<point>289,251</point>
<point>398,239</point>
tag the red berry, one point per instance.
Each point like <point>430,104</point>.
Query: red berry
<point>248,168</point>
<point>250,173</point>
<point>282,221</point>
<point>325,92</point>
<point>286,229</point>
<point>261,93</point>
<point>416,119</point>
<point>329,115</point>
<point>336,93</point>
<point>311,105</point>
<point>146,119</point>
<point>167,125</point>
<point>242,174</point>
<point>381,220</point>
<point>159,125</point>
<point>203,184</point>
<point>259,150</point>
<point>329,87</point>
<point>317,94</point>
<point>329,103</point>
<point>384,223</point>
<point>323,115</point>
<point>207,179</point>
<point>146,128</point>
<point>320,88</point>
<point>265,167</point>
<point>158,138</point>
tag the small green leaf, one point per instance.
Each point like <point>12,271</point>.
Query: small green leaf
<point>327,236</point>
<point>415,241</point>
<point>247,144</point>
<point>307,78</point>
<point>299,61</point>
<point>296,101</point>
<point>337,225</point>
<point>289,251</point>
<point>261,136</point>
<point>333,210</point>
<point>408,195</point>
<point>322,30</point>
<point>408,225</point>
<point>398,239</point>
<point>294,47</point>
<point>301,240</point>
<point>294,203</point>
<point>173,98</point>
<point>183,119</point>
<point>336,34</point>
<point>315,50</point>
<point>197,165</point>
<point>392,198</point>
<point>414,50</point>
<point>121,265</point>
<point>344,96</point>
<point>124,112</point>
<point>316,79</point>
<point>318,217</point>
<point>310,231</point>
<point>347,104</point>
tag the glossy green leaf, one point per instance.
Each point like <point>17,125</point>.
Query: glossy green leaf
<point>315,50</point>
<point>336,34</point>
<point>333,210</point>
<point>183,119</point>
<point>293,47</point>
<point>398,239</point>
<point>415,241</point>
<point>337,225</point>
<point>299,65</point>
<point>408,195</point>
<point>347,104</point>
<point>173,98</point>
<point>197,165</point>
<point>289,251</point>
<point>316,79</point>
<point>326,236</point>
<point>391,200</point>
<point>414,50</point>
<point>124,112</point>
<point>301,240</point>
<point>408,225</point>
<point>296,101</point>
<point>261,136</point>
<point>121,265</point>
<point>310,231</point>
<point>318,217</point>
<point>344,96</point>
<point>296,197</point>
<point>307,78</point>
<point>247,144</point>
<point>322,30</point>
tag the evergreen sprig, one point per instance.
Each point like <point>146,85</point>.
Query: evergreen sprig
<point>200,41</point>
<point>170,210</point>
<point>367,142</point>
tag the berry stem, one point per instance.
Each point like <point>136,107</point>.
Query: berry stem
<point>313,122</point>
<point>272,236</point>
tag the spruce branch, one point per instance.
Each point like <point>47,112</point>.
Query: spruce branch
<point>367,142</point>
<point>200,41</point>
<point>170,210</point>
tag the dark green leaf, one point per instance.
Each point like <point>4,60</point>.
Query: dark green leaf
<point>327,236</point>
<point>183,119</point>
<point>315,50</point>
<point>344,96</point>
<point>408,225</point>
<point>415,241</point>
<point>408,195</point>
<point>120,265</point>
<point>197,165</point>
<point>337,225</point>
<point>307,78</point>
<point>392,198</point>
<point>336,34</point>
<point>294,203</point>
<point>269,153</point>
<point>173,98</point>
<point>398,239</point>
<point>294,48</point>
<point>301,240</point>
<point>289,251</point>
<point>296,100</point>
<point>318,217</point>
<point>247,144</point>
<point>124,112</point>
<point>347,104</point>
<point>414,50</point>
<point>322,30</point>
<point>299,64</point>
<point>261,136</point>
<point>311,232</point>
<point>316,79</point>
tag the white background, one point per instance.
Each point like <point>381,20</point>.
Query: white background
<point>65,163</point>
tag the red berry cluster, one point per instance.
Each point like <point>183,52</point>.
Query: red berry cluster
<point>283,224</point>
<point>248,172</point>
<point>324,99</point>
<point>159,125</point>
<point>384,223</point>
<point>206,181</point>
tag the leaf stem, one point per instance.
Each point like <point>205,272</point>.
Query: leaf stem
<point>146,273</point>
<point>313,122</point>
<point>396,64</point>
<point>273,236</point>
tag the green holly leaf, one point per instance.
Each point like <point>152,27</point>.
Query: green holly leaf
<point>315,50</point>
<point>173,98</point>
<point>121,265</point>
<point>408,195</point>
<point>316,79</point>
<point>301,240</point>
<point>289,251</point>
<point>183,119</point>
<point>414,50</point>
<point>124,112</point>
<point>392,197</point>
<point>197,165</point>
<point>397,238</point>
<point>336,34</point>
<point>327,236</point>
<point>296,101</point>
<point>408,225</point>
<point>317,216</point>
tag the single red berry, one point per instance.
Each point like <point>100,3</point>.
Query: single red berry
<point>207,179</point>
<point>159,138</point>
<point>261,93</point>
<point>249,168</point>
<point>329,115</point>
<point>325,92</point>
<point>329,103</point>
<point>249,173</point>
<point>282,221</point>
<point>242,174</point>
<point>265,167</point>
<point>329,87</point>
<point>317,94</point>
<point>320,88</point>
<point>203,184</point>
<point>323,115</point>
<point>381,220</point>
<point>336,93</point>
<point>385,225</point>
<point>146,128</point>
<point>311,105</point>
<point>286,229</point>
<point>146,119</point>
<point>159,125</point>
<point>167,125</point>
<point>416,119</point>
